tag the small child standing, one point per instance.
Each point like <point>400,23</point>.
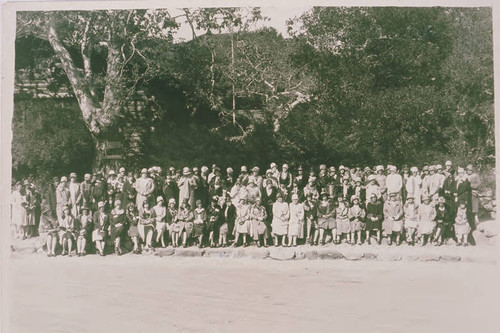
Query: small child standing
<point>462,227</point>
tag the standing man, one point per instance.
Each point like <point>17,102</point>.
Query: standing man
<point>62,197</point>
<point>394,182</point>
<point>475,182</point>
<point>145,187</point>
<point>75,195</point>
<point>50,196</point>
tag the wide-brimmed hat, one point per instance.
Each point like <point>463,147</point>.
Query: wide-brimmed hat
<point>414,169</point>
<point>160,198</point>
<point>100,204</point>
<point>64,179</point>
<point>426,198</point>
<point>72,175</point>
<point>255,169</point>
<point>186,171</point>
<point>111,173</point>
<point>87,176</point>
<point>354,197</point>
<point>448,163</point>
<point>273,165</point>
<point>122,169</point>
<point>171,201</point>
<point>204,169</point>
<point>379,168</point>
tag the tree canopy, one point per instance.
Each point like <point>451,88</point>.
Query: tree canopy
<point>352,84</point>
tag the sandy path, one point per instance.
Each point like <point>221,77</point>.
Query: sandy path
<point>151,294</point>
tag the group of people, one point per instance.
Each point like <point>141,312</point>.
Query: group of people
<point>204,207</point>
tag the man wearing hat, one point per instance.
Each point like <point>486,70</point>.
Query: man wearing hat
<point>300,178</point>
<point>186,185</point>
<point>86,189</point>
<point>145,187</point>
<point>448,168</point>
<point>394,182</point>
<point>475,182</point>
<point>99,191</point>
<point>413,185</point>
<point>243,177</point>
<point>62,197</point>
<point>256,178</point>
<point>286,177</point>
<point>212,173</point>
<point>75,194</point>
<point>50,196</point>
<point>381,180</point>
<point>274,169</point>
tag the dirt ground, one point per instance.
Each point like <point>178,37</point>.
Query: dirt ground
<point>152,294</point>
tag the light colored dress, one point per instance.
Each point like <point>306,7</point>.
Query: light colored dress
<point>242,223</point>
<point>343,223</point>
<point>357,216</point>
<point>393,217</point>
<point>411,216</point>
<point>19,216</point>
<point>257,225</point>
<point>426,216</point>
<point>296,221</point>
<point>462,226</point>
<point>281,213</point>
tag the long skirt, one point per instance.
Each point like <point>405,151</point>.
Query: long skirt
<point>279,227</point>
<point>357,225</point>
<point>98,235</point>
<point>116,232</point>
<point>294,227</point>
<point>198,229</point>
<point>327,223</point>
<point>397,226</point>
<point>257,228</point>
<point>343,226</point>
<point>387,226</point>
<point>462,229</point>
<point>426,227</point>
<point>411,223</point>
<point>133,231</point>
<point>243,227</point>
<point>373,225</point>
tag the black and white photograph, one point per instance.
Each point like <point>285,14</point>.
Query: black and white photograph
<point>237,166</point>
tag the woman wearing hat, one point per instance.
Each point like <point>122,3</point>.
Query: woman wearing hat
<point>171,219</point>
<point>49,228</point>
<point>132,220</point>
<point>19,204</point>
<point>128,190</point>
<point>462,188</point>
<point>426,216</point>
<point>296,221</point>
<point>98,192</point>
<point>357,216</point>
<point>200,218</point>
<point>311,188</point>
<point>343,223</point>
<point>229,218</point>
<point>372,187</point>
<point>462,227</point>
<point>413,185</point>
<point>185,219</point>
<point>117,225</point>
<point>258,227</point>
<point>310,215</point>
<point>326,219</point>
<point>85,226</point>
<point>68,230</point>
<point>475,183</point>
<point>410,210</point>
<point>214,221</point>
<point>393,219</point>
<point>374,217</point>
<point>443,220</point>
<point>147,219</point>
<point>279,224</point>
<point>160,219</point>
<point>75,194</point>
<point>381,180</point>
<point>101,224</point>
<point>62,197</point>
<point>242,223</point>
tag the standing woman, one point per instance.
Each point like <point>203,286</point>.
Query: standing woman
<point>296,221</point>
<point>443,219</point>
<point>411,219</point>
<point>19,205</point>
<point>310,217</point>
<point>258,223</point>
<point>101,224</point>
<point>343,223</point>
<point>357,216</point>
<point>393,218</point>
<point>147,220</point>
<point>171,219</point>
<point>229,219</point>
<point>117,220</point>
<point>161,222</point>
<point>326,219</point>
<point>214,221</point>
<point>372,188</point>
<point>374,217</point>
<point>426,216</point>
<point>200,218</point>
<point>185,219</point>
<point>281,214</point>
<point>85,231</point>
<point>132,219</point>
<point>242,222</point>
<point>128,190</point>
<point>68,231</point>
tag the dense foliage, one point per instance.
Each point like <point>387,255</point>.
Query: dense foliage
<point>352,85</point>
